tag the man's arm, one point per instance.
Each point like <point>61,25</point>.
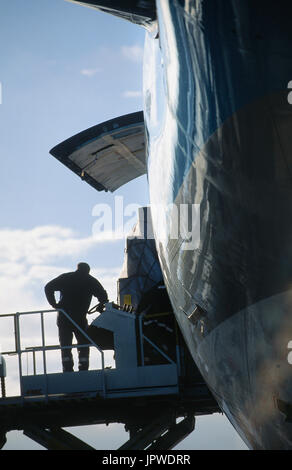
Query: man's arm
<point>51,288</point>
<point>100,292</point>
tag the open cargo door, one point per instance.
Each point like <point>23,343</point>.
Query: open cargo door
<point>108,155</point>
<point>139,12</point>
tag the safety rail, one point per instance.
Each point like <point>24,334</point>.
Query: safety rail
<point>130,376</point>
<point>19,351</point>
<point>143,337</point>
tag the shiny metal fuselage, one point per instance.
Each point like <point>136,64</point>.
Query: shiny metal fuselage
<point>219,129</point>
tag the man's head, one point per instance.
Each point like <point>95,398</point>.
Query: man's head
<point>83,268</point>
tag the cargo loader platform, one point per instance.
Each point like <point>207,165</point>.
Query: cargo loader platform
<point>148,394</point>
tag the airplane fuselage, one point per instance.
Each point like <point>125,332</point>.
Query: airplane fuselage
<point>219,122</point>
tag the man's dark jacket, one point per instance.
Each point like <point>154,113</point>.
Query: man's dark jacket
<point>77,289</point>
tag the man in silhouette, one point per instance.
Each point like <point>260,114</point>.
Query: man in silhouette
<point>76,291</point>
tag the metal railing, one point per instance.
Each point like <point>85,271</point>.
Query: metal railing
<point>19,351</point>
<point>143,338</point>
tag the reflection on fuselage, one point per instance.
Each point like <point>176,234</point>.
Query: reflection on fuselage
<point>218,123</point>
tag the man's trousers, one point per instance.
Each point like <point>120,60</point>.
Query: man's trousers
<point>66,331</point>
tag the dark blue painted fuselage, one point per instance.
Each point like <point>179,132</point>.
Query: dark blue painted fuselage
<point>219,128</point>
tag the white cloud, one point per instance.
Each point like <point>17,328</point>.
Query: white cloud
<point>45,243</point>
<point>132,94</point>
<point>30,258</point>
<point>133,53</point>
<point>89,72</point>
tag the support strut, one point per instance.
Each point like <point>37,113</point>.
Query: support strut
<point>55,439</point>
<point>162,434</point>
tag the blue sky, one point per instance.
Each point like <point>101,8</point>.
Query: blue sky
<point>64,68</point>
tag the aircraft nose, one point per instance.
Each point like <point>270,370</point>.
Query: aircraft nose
<point>270,368</point>
<point>247,362</point>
